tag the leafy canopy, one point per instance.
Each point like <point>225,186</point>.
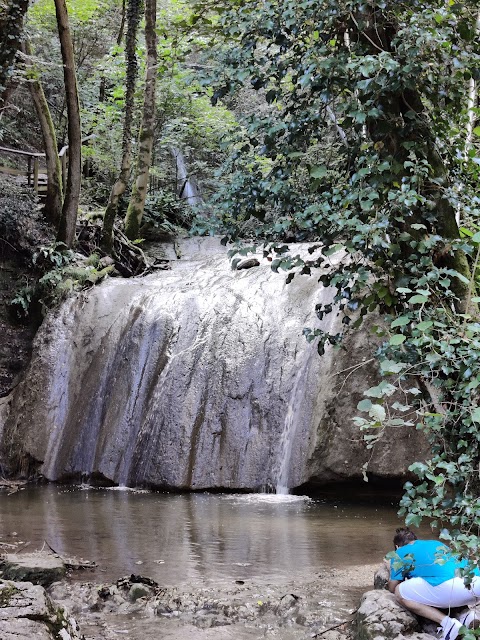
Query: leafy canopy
<point>360,143</point>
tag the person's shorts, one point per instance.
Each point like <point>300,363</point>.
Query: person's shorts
<point>451,593</point>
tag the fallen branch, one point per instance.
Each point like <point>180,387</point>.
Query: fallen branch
<point>74,564</point>
<point>335,626</point>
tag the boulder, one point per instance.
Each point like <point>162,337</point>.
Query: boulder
<point>26,611</point>
<point>382,576</point>
<point>139,590</point>
<point>248,263</point>
<point>380,616</point>
<point>23,628</point>
<point>228,393</point>
<point>38,567</point>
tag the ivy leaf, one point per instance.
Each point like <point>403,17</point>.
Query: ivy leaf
<point>390,366</point>
<point>383,389</point>
<point>476,414</point>
<point>364,405</point>
<point>413,519</point>
<point>397,339</point>
<point>418,299</point>
<point>318,172</point>
<point>377,412</point>
<point>423,326</point>
<point>400,322</point>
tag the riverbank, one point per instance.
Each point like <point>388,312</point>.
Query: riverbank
<point>137,608</point>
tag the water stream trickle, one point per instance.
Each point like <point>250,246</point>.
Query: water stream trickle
<point>292,420</point>
<point>187,187</point>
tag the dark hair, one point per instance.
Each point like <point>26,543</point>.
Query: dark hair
<point>403,536</point>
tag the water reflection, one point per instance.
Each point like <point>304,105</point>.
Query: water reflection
<point>177,539</point>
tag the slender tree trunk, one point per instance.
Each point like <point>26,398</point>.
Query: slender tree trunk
<point>12,13</point>
<point>7,95</point>
<point>118,189</point>
<point>54,198</point>
<point>137,200</point>
<point>122,23</point>
<point>66,230</point>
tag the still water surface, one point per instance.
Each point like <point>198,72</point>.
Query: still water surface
<point>178,539</point>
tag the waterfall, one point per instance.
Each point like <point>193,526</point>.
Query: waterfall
<point>187,187</point>
<point>292,420</point>
<point>194,378</point>
<point>286,474</point>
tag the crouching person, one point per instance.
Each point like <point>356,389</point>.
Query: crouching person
<point>424,577</point>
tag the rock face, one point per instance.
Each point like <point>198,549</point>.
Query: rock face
<point>379,616</point>
<point>196,378</point>
<point>26,611</point>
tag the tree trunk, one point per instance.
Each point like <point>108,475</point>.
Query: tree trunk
<point>377,36</point>
<point>54,198</point>
<point>116,193</point>
<point>137,200</point>
<point>118,189</point>
<point>122,23</point>
<point>66,230</point>
<point>12,13</point>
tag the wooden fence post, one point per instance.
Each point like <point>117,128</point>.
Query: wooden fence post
<point>64,170</point>
<point>35,174</point>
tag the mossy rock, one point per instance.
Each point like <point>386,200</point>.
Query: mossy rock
<point>37,568</point>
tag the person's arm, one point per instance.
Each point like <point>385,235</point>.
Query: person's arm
<point>392,585</point>
<point>397,568</point>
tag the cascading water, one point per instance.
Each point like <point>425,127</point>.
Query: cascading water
<point>186,185</point>
<point>292,420</point>
<point>288,475</point>
<point>193,378</point>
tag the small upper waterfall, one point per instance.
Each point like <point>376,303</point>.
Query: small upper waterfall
<point>187,187</point>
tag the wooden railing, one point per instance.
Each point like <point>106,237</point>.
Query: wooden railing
<point>36,178</point>
<point>32,172</point>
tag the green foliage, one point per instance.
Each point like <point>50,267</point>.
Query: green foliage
<point>59,275</point>
<point>42,12</point>
<point>164,212</point>
<point>361,145</point>
<point>12,14</point>
<point>52,256</point>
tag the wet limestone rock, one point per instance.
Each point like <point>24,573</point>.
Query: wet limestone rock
<point>27,612</point>
<point>38,568</point>
<point>139,590</point>
<point>198,377</point>
<point>380,616</point>
<point>247,264</point>
<point>382,576</point>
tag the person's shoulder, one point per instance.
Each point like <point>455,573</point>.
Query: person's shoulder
<point>434,545</point>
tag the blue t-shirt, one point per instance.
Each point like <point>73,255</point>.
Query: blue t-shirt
<point>427,559</point>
